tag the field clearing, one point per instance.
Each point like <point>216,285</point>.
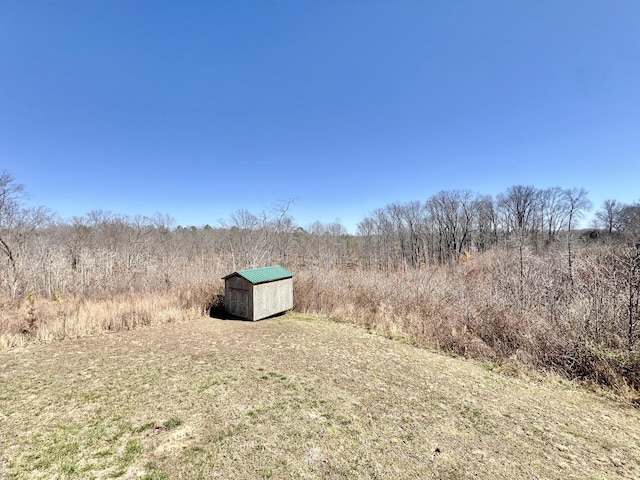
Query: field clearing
<point>294,397</point>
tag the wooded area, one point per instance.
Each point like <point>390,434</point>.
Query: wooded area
<point>504,278</point>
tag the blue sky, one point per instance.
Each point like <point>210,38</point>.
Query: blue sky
<point>199,108</point>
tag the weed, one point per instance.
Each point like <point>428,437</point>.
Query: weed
<point>145,427</point>
<point>488,366</point>
<point>478,420</point>
<point>131,450</point>
<point>172,423</point>
<point>606,444</point>
<point>206,384</point>
<point>575,432</point>
<point>195,450</point>
<point>540,433</point>
<point>222,435</point>
<point>32,315</point>
<point>153,472</point>
<point>107,452</point>
<point>117,473</point>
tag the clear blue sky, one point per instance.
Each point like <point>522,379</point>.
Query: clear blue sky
<point>199,108</point>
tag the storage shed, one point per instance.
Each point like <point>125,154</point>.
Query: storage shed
<point>258,293</point>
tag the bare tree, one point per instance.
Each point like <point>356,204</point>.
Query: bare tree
<point>11,195</point>
<point>384,233</point>
<point>255,239</point>
<point>518,207</point>
<point>608,217</point>
<point>366,231</point>
<point>17,223</point>
<point>552,211</point>
<point>577,203</point>
<point>246,239</point>
<point>631,263</point>
<point>406,219</point>
<point>453,216</point>
<point>487,222</point>
<point>630,219</point>
<point>281,227</point>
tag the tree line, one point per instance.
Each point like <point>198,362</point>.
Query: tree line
<point>105,252</point>
<point>450,223</point>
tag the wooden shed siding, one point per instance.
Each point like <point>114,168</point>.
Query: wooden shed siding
<point>271,298</point>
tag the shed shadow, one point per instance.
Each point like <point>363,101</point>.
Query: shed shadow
<point>216,310</point>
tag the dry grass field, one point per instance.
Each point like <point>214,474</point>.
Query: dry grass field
<point>294,397</point>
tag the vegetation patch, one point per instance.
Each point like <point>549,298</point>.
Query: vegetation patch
<point>172,423</point>
<point>294,398</point>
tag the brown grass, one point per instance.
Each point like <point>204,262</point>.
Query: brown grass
<point>42,320</point>
<point>294,397</point>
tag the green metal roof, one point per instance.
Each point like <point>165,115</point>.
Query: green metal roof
<point>262,275</point>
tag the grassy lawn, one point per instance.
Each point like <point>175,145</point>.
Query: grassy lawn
<point>294,397</point>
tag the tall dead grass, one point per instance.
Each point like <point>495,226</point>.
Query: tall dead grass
<point>481,308</point>
<point>41,319</point>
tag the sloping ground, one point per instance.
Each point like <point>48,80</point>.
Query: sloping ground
<point>294,397</point>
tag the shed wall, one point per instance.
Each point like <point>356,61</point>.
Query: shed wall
<point>271,298</point>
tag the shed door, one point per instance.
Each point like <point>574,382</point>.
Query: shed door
<point>239,302</point>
